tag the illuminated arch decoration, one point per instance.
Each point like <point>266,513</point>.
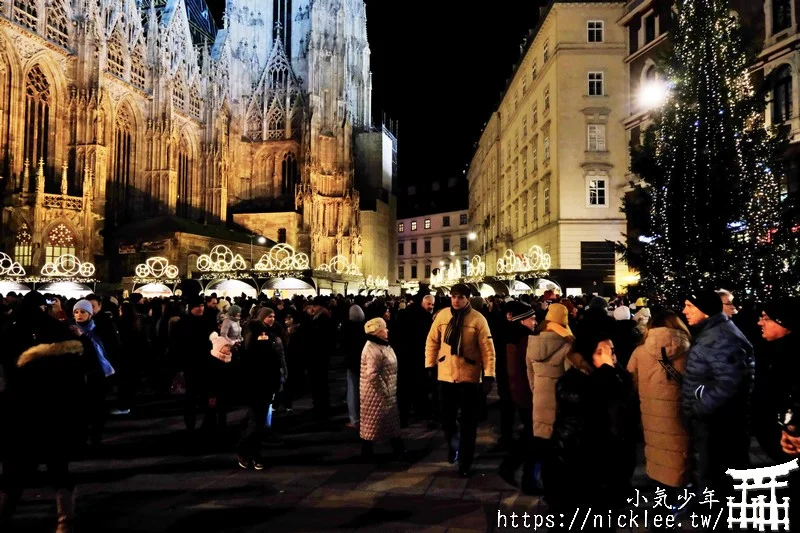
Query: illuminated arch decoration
<point>9,267</point>
<point>340,265</point>
<point>220,259</point>
<point>156,268</point>
<point>446,276</point>
<point>535,260</point>
<point>476,267</point>
<point>374,282</point>
<point>282,258</point>
<point>68,266</point>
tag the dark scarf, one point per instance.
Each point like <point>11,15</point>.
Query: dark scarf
<point>452,335</point>
<point>377,340</point>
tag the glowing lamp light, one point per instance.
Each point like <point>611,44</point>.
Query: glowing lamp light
<point>261,240</point>
<point>645,239</point>
<point>653,94</point>
<point>472,235</point>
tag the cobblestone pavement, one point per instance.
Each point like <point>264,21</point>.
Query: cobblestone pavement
<point>151,476</point>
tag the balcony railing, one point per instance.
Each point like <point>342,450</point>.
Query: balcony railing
<point>63,202</point>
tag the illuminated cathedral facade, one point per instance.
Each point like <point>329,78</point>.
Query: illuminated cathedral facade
<point>116,113</point>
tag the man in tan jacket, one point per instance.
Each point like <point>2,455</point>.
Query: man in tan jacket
<point>460,344</point>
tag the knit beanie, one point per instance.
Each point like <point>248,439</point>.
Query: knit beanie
<point>374,326</point>
<point>707,301</point>
<point>598,302</point>
<point>217,343</point>
<point>86,305</point>
<point>234,310</point>
<point>785,312</point>
<point>519,311</point>
<point>558,313</point>
<point>622,313</point>
<point>356,314</point>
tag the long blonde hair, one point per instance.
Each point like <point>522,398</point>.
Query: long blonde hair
<point>666,318</point>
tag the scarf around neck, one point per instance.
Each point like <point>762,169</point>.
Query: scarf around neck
<point>377,340</point>
<point>452,335</point>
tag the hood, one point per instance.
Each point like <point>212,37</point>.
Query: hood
<point>675,341</point>
<point>545,345</point>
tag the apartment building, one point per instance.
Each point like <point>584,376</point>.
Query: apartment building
<point>428,242</point>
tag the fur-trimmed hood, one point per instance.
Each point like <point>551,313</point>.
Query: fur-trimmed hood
<point>43,350</point>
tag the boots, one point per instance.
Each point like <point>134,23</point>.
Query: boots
<point>65,504</point>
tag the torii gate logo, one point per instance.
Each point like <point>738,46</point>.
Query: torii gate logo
<point>758,511</point>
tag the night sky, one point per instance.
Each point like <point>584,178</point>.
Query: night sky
<point>438,69</point>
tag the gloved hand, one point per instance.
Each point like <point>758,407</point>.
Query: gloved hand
<point>488,382</point>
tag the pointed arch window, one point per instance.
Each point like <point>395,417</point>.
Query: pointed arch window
<point>37,116</point>
<point>26,13</point>
<point>23,247</point>
<point>58,24</point>
<point>60,240</point>
<point>116,56</point>
<point>178,94</point>
<point>195,102</point>
<point>138,69</point>
<point>276,123</point>
<point>282,24</point>
<point>185,191</point>
<point>288,174</point>
<point>122,179</point>
<point>782,95</point>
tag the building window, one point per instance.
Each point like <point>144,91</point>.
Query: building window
<point>535,153</point>
<point>463,269</point>
<point>546,195</point>
<point>596,138</point>
<point>413,271</point>
<point>534,70</point>
<point>185,189</point>
<point>782,95</point>
<point>123,179</point>
<point>25,13</point>
<point>58,25</point>
<point>594,30</point>
<point>427,246</point>
<point>463,219</point>
<point>525,211</point>
<point>546,99</point>
<point>427,271</point>
<point>781,15</point>
<point>401,272</point>
<point>595,84</point>
<point>427,223</point>
<point>597,189</point>
<point>524,128</point>
<point>413,248</point>
<point>37,117</point>
<point>401,248</point>
<point>23,248</point>
<point>282,235</point>
<point>289,174</point>
<point>546,54</point>
<point>546,145</point>
<point>535,118</point>
<point>446,244</point>
<point>446,221</point>
<point>60,241</point>
<point>524,85</point>
<point>535,202</point>
<point>413,225</point>
<point>463,243</point>
<point>282,24</point>
<point>650,29</point>
<point>401,228</point>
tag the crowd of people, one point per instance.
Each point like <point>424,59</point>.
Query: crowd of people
<point>582,381</point>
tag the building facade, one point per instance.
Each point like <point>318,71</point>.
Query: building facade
<point>429,242</point>
<point>115,113</point>
<point>550,167</point>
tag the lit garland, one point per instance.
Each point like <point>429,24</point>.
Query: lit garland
<point>377,283</point>
<point>156,268</point>
<point>476,267</point>
<point>710,167</point>
<point>536,260</point>
<point>221,259</point>
<point>9,267</point>
<point>67,266</point>
<point>340,265</point>
<point>282,258</point>
<point>446,276</point>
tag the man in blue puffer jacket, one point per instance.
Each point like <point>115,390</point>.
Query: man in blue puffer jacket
<point>716,392</point>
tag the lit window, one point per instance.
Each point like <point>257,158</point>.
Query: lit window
<point>427,223</point>
<point>23,247</point>
<point>596,138</point>
<point>595,84</point>
<point>597,189</point>
<point>401,227</point>
<point>60,241</point>
<point>595,31</point>
<point>413,225</point>
<point>463,219</point>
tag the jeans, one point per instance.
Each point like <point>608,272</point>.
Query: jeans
<point>353,395</point>
<point>466,397</point>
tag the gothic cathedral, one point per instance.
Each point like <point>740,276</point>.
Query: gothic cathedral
<point>116,112</point>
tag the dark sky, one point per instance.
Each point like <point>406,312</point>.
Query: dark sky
<point>438,69</point>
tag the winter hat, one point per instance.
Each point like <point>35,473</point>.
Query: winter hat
<point>224,305</point>
<point>598,302</point>
<point>519,311</point>
<point>459,289</point>
<point>234,310</point>
<point>356,314</point>
<point>86,305</point>
<point>264,312</point>
<point>558,314</point>
<point>707,301</point>
<point>477,302</point>
<point>195,301</point>
<point>218,342</point>
<point>374,326</point>
<point>784,311</point>
<point>622,313</point>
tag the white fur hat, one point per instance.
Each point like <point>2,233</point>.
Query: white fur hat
<point>218,342</point>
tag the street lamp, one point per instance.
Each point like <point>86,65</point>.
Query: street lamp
<point>472,235</point>
<point>260,239</point>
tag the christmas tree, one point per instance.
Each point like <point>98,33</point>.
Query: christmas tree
<point>710,169</point>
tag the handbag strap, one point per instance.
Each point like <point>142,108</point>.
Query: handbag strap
<point>672,372</point>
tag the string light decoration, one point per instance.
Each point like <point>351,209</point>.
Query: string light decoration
<point>446,276</point>
<point>220,259</point>
<point>156,268</point>
<point>67,266</point>
<point>536,260</point>
<point>710,168</point>
<point>340,265</point>
<point>9,267</point>
<point>377,283</point>
<point>282,258</point>
<point>476,267</point>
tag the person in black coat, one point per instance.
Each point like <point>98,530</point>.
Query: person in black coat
<point>353,340</point>
<point>320,335</point>
<point>43,406</point>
